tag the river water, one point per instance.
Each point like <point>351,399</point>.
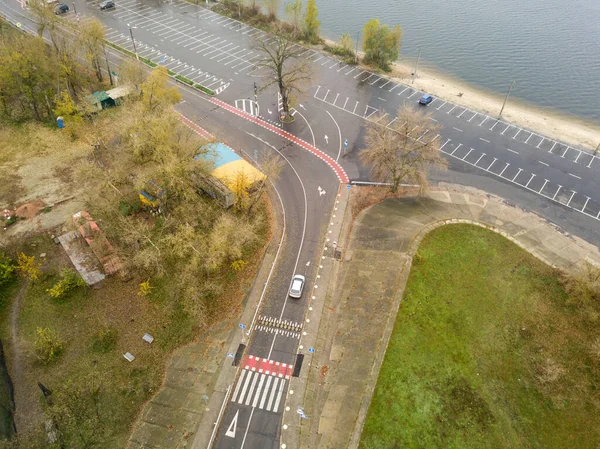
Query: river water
<point>550,47</point>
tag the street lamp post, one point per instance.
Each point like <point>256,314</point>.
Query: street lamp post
<point>133,42</point>
<point>506,98</point>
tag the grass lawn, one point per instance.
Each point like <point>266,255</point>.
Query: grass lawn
<point>487,352</point>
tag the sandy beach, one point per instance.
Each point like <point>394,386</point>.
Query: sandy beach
<point>550,123</point>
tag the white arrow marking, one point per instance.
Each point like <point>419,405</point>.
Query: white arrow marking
<point>231,429</point>
<point>269,111</point>
<point>326,139</point>
<point>302,106</point>
<point>321,191</point>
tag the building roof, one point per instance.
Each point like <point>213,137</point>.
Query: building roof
<point>119,92</point>
<point>98,97</point>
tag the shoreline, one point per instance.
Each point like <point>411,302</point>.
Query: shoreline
<point>551,123</point>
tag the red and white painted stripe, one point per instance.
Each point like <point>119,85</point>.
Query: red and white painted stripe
<point>266,366</point>
<point>337,168</point>
<point>190,124</point>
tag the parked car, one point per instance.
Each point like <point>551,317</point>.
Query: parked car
<point>107,4</point>
<point>61,9</point>
<point>297,286</point>
<point>426,99</point>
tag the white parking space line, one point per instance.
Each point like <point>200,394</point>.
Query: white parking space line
<point>350,71</point>
<point>527,185</point>
<point>518,132</point>
<point>457,147</point>
<point>586,203</point>
<point>563,155</point>
<point>518,173</point>
<point>545,182</point>
<point>484,120</point>
<point>550,151</point>
<point>413,94</point>
<point>541,141</point>
<point>405,89</point>
<point>512,151</point>
<point>387,82</point>
<point>504,169</point>
<point>469,152</point>
<point>574,176</point>
<point>505,129</point>
<point>529,137</point>
<point>474,115</point>
<point>488,169</point>
<point>457,129</point>
<point>557,190</point>
<point>484,140</point>
<point>572,195</point>
<point>578,154</point>
<point>543,163</point>
<point>480,157</point>
<point>460,115</point>
<point>453,107</point>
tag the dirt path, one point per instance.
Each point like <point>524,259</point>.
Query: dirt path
<point>27,408</point>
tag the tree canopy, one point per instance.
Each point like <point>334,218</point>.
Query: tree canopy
<point>381,44</point>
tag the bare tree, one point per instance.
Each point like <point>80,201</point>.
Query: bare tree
<point>290,73</point>
<point>91,36</point>
<point>396,154</point>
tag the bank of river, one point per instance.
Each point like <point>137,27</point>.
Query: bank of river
<point>550,47</point>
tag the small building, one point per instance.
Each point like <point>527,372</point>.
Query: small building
<point>118,93</point>
<point>101,100</point>
<point>230,169</point>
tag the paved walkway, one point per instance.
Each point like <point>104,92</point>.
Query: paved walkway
<point>361,305</point>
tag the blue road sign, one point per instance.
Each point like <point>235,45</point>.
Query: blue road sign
<point>229,354</point>
<point>348,186</point>
<point>311,349</point>
<point>243,326</point>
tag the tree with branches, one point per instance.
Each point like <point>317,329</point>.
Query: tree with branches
<point>284,68</point>
<point>92,39</point>
<point>401,152</point>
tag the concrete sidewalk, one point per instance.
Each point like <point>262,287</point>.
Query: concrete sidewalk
<point>362,302</point>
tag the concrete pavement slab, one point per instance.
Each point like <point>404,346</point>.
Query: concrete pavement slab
<point>363,299</point>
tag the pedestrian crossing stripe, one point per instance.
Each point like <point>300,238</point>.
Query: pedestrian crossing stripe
<point>259,390</point>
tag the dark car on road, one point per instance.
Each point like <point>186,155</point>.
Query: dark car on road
<point>107,4</point>
<point>426,99</point>
<point>61,9</point>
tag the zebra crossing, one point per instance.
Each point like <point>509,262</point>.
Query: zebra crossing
<point>259,390</point>
<point>249,106</point>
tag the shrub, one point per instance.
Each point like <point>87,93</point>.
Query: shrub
<point>28,267</point>
<point>6,268</point>
<point>69,281</point>
<point>48,345</point>
<point>145,288</point>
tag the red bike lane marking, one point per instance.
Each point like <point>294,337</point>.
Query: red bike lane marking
<point>338,170</point>
<point>267,366</point>
<point>190,124</point>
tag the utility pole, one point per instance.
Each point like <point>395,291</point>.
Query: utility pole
<point>133,41</point>
<point>416,67</point>
<point>356,51</point>
<point>506,98</point>
<point>108,67</point>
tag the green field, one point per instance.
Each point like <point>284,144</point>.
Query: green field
<point>488,351</point>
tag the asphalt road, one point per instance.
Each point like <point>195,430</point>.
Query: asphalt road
<point>554,180</point>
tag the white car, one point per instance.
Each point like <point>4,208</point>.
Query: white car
<point>296,286</point>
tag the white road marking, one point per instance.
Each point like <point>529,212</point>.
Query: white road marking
<point>574,176</point>
<point>457,129</point>
<point>586,201</point>
<point>545,182</point>
<point>512,151</point>
<point>481,138</point>
<point>532,176</point>
<point>232,427</point>
<point>518,173</point>
<point>543,163</point>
